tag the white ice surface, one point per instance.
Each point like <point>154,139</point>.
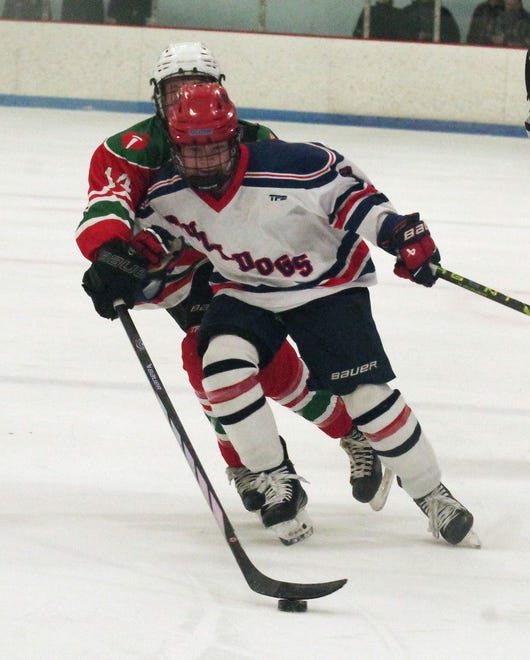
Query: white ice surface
<point>107,548</point>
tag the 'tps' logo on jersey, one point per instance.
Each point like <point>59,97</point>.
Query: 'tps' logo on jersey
<point>277,198</point>
<point>132,140</point>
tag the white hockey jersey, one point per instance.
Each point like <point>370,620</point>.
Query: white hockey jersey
<point>289,228</point>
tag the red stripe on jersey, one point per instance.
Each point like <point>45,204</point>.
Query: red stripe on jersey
<point>224,394</point>
<point>392,428</point>
<point>93,237</point>
<point>216,288</point>
<point>342,215</point>
<point>164,182</point>
<point>187,257</point>
<point>355,265</point>
<point>170,289</point>
<point>106,196</point>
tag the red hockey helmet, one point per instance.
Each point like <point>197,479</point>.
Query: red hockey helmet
<point>203,114</point>
<point>204,132</point>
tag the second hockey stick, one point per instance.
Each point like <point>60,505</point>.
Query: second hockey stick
<point>481,290</point>
<point>256,580</point>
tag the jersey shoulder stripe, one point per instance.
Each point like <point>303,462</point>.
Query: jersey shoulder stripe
<point>167,181</point>
<point>289,165</point>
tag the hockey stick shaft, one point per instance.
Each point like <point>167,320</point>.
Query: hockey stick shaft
<point>256,580</point>
<point>482,290</point>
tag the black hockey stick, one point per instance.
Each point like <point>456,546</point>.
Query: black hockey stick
<point>482,290</point>
<point>256,580</point>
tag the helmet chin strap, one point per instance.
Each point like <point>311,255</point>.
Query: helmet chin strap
<point>214,184</point>
<point>210,183</point>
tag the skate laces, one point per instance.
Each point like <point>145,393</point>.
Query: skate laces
<point>244,479</point>
<point>441,508</point>
<point>276,485</point>
<point>360,453</point>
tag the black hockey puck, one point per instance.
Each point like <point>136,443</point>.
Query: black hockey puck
<point>287,605</point>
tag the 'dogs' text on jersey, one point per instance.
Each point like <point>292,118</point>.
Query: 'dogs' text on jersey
<point>289,228</point>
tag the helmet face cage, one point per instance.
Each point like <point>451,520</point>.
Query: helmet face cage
<point>204,132</point>
<point>166,93</point>
<point>180,63</point>
<point>207,167</point>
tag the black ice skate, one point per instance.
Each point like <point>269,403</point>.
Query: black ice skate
<point>448,518</point>
<point>285,499</point>
<point>366,476</point>
<point>245,483</point>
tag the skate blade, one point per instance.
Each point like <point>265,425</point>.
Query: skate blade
<point>378,501</point>
<point>294,530</point>
<point>471,540</point>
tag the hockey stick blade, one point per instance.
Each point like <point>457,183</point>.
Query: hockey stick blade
<point>481,290</point>
<point>256,580</point>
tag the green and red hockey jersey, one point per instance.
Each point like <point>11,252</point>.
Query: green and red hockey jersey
<point>121,169</point>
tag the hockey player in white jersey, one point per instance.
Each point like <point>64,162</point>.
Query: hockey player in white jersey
<point>121,169</point>
<point>283,225</point>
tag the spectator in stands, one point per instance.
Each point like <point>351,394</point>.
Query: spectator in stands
<point>512,27</point>
<point>385,22</point>
<point>30,10</point>
<point>129,12</point>
<point>81,11</point>
<point>482,26</point>
<point>418,19</point>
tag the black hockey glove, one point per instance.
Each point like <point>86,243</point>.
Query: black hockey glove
<point>119,271</point>
<point>409,239</point>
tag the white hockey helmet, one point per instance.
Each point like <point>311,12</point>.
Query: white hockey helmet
<point>189,60</point>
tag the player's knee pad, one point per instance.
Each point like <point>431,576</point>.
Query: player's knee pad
<point>366,397</point>
<point>230,368</point>
<point>384,417</point>
<point>228,352</point>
